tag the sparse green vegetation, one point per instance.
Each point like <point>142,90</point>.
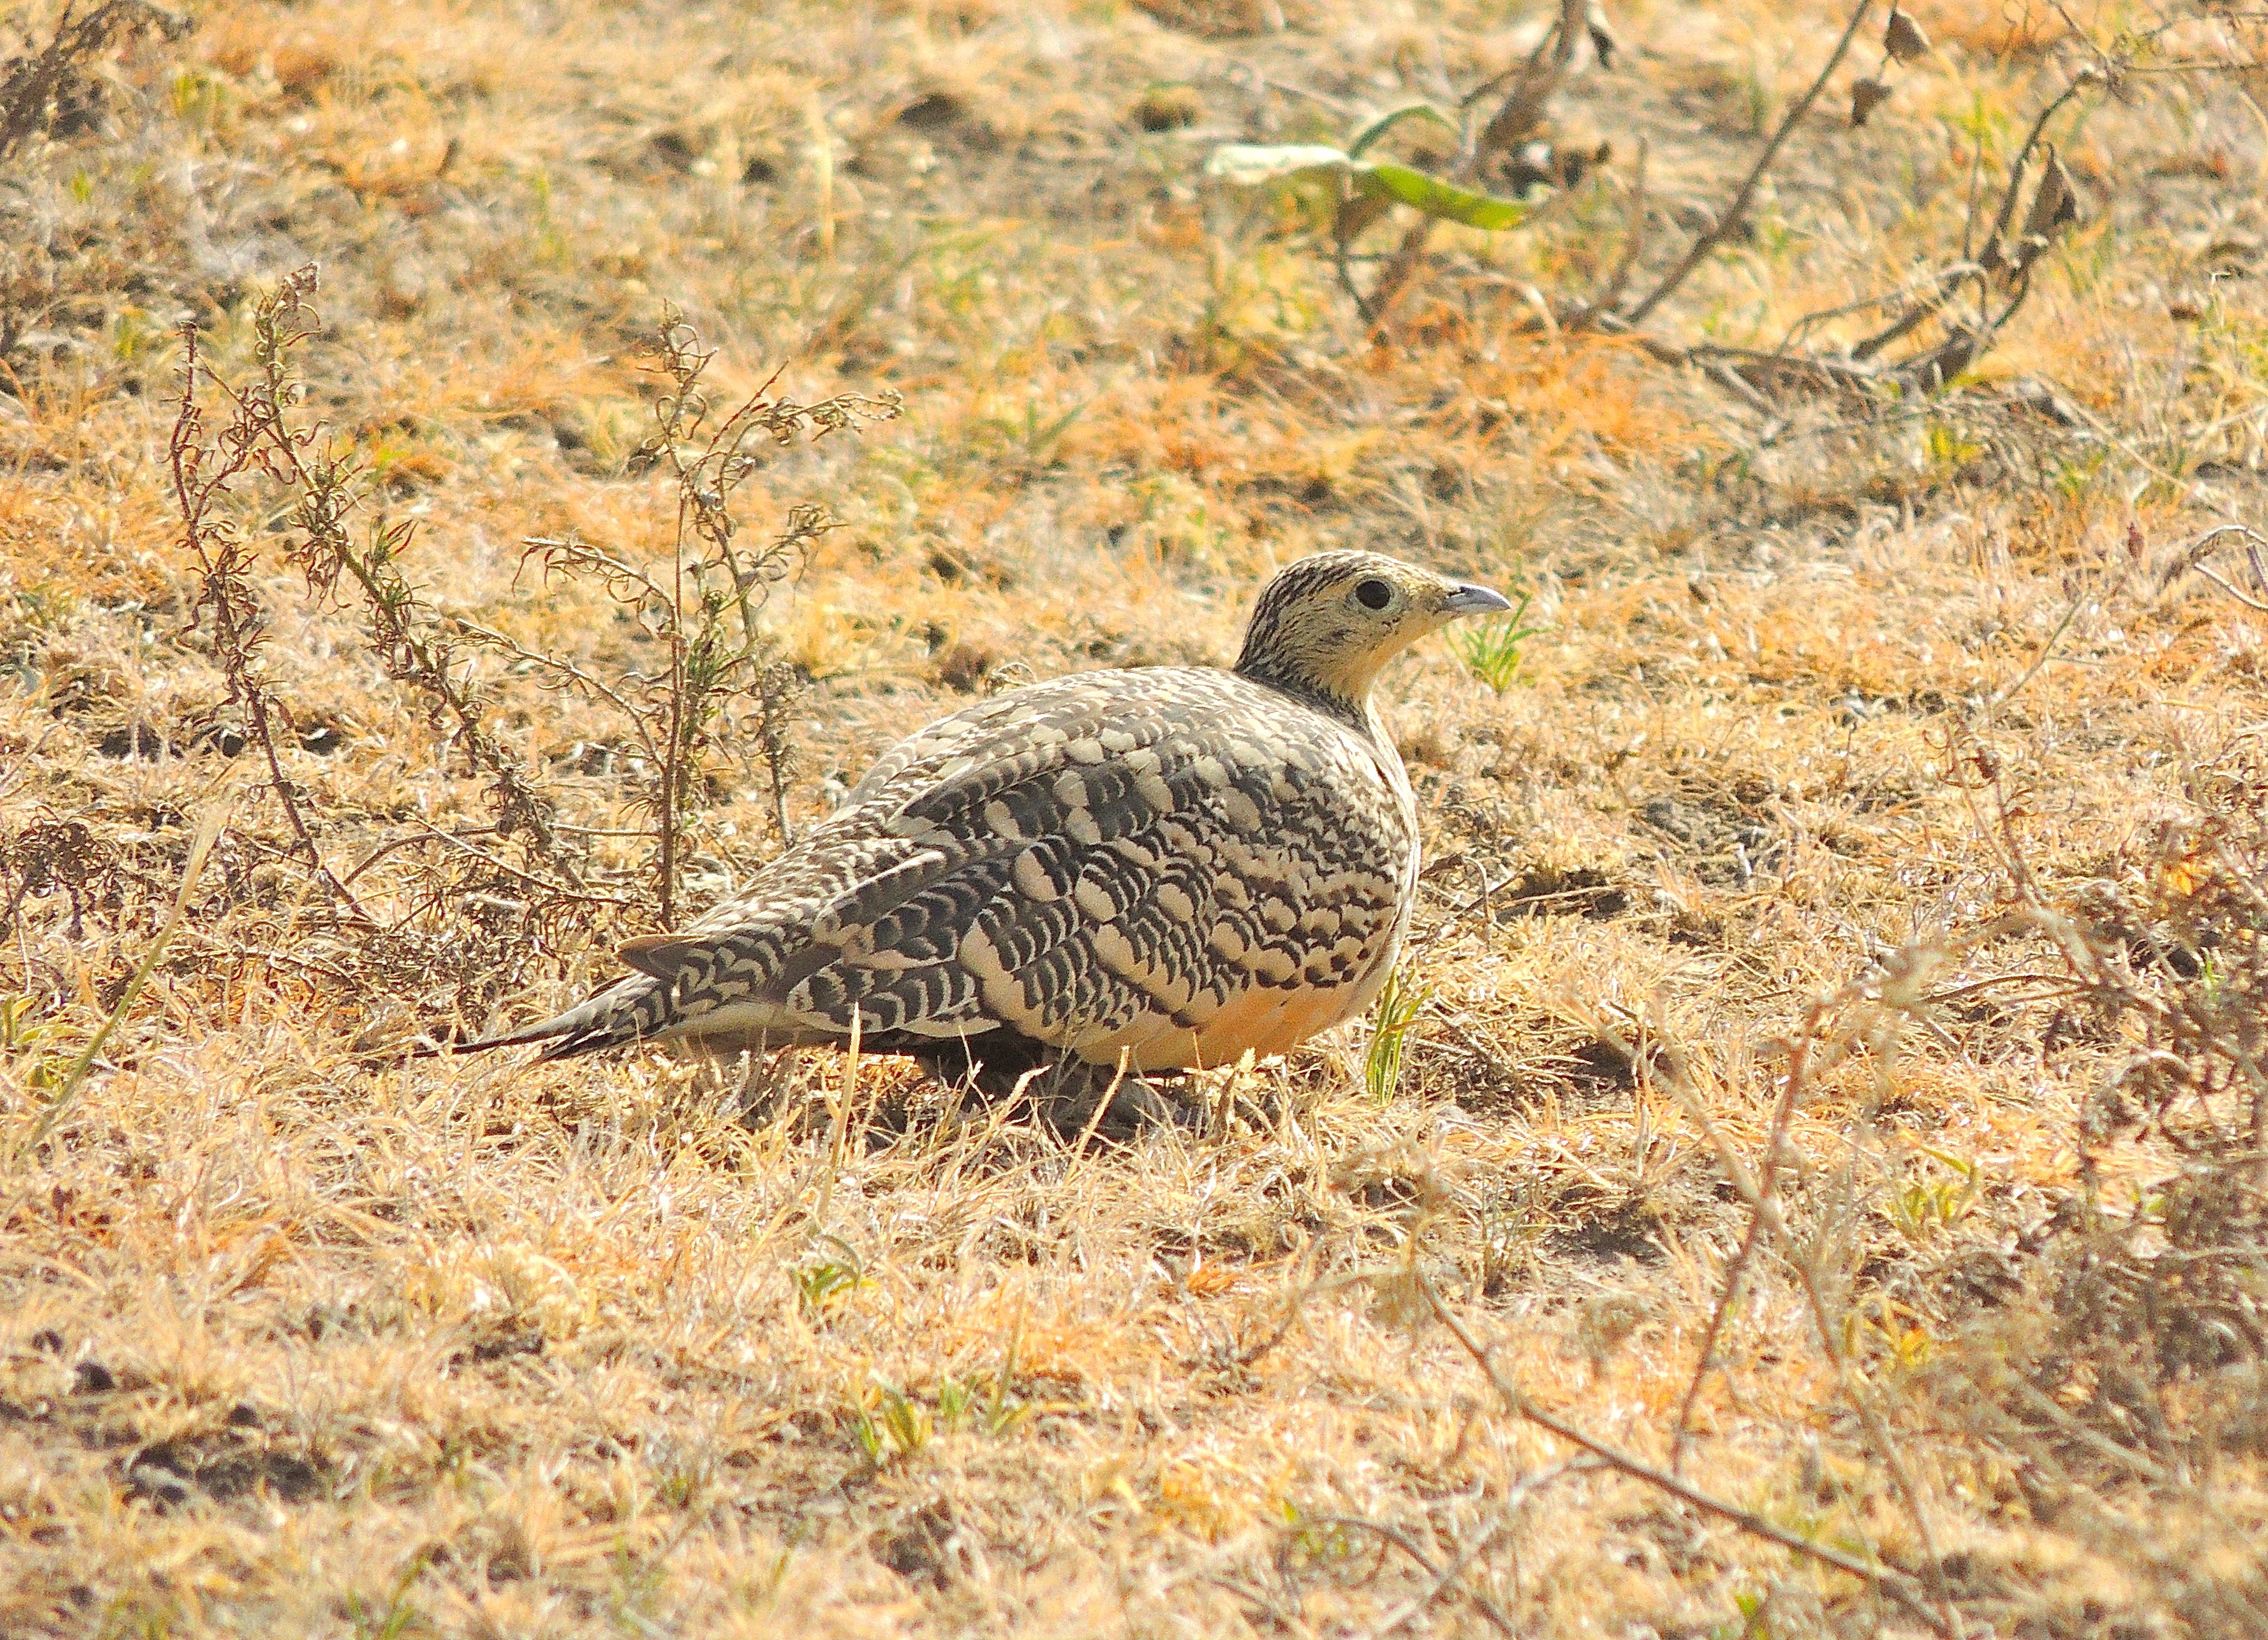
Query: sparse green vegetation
<point>1491,649</point>
<point>1394,1020</point>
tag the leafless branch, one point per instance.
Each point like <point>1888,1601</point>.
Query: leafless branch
<point>1633,241</point>
<point>1893,1579</point>
<point>202,473</point>
<point>1715,234</point>
<point>2209,543</point>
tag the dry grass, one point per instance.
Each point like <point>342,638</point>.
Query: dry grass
<point>1865,870</point>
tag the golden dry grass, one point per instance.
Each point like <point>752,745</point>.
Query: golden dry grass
<point>297,1336</point>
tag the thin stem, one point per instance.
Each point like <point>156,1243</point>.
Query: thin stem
<point>237,630</point>
<point>1733,212</point>
<point>1633,243</point>
<point>1897,1581</point>
<point>208,833</point>
<point>673,753</point>
<point>1725,1299</point>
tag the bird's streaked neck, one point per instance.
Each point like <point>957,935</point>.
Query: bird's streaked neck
<point>1354,707</point>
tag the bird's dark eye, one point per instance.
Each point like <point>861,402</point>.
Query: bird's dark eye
<point>1373,594</point>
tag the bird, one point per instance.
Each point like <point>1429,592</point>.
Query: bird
<point>1157,869</point>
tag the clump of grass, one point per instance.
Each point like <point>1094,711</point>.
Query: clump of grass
<point>988,1410</point>
<point>893,1424</point>
<point>1394,1021</point>
<point>894,1427</point>
<point>1491,649</point>
<point>823,1279</point>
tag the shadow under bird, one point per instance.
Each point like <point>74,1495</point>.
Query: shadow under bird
<point>1168,866</point>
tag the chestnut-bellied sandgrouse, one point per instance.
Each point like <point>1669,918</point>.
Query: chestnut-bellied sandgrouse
<point>1164,865</point>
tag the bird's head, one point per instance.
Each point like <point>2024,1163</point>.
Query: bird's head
<point>1326,624</point>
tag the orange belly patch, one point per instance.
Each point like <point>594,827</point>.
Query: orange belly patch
<point>1257,1021</point>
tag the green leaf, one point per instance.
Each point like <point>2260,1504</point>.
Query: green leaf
<point>1247,164</point>
<point>1445,200</point>
<point>1385,122</point>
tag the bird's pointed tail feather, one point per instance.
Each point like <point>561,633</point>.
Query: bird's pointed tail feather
<point>629,1010</point>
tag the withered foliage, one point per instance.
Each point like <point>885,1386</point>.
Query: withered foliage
<point>54,857</point>
<point>2110,1360</point>
<point>50,86</point>
<point>705,607</point>
<point>724,688</point>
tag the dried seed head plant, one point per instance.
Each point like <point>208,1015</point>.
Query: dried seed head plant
<point>705,610</point>
<point>254,441</point>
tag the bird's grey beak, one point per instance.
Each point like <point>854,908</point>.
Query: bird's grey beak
<point>1473,601</point>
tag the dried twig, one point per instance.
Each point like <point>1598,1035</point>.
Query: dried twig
<point>202,474</point>
<point>457,841</point>
<point>327,486</point>
<point>1727,1295</point>
<point>1764,1189</point>
<point>1445,1579</point>
<point>705,607</point>
<point>1893,1579</point>
<point>1715,234</point>
<point>1891,982</point>
<point>1633,247</point>
<point>56,87</point>
<point>2051,202</point>
<point>1523,108</point>
<point>2209,543</point>
<point>1387,1533</point>
<point>1979,269</point>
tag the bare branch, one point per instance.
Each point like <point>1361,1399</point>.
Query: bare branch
<point>202,474</point>
<point>1733,212</point>
<point>1893,1579</point>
